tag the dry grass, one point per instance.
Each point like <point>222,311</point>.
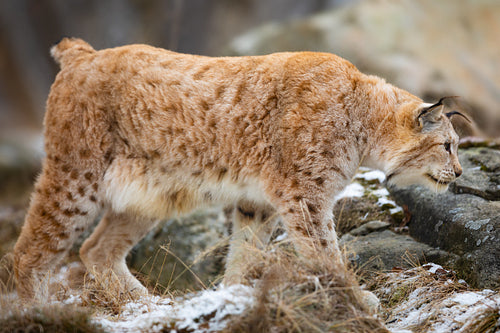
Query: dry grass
<point>45,313</point>
<point>46,318</point>
<point>40,315</point>
<point>105,293</point>
<point>6,274</point>
<point>394,288</point>
<point>313,294</point>
<point>293,294</point>
<point>487,322</point>
<point>182,277</point>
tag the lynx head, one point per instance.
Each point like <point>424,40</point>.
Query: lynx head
<point>427,149</point>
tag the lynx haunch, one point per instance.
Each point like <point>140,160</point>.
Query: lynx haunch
<point>140,133</point>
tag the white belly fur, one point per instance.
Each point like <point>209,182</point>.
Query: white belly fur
<point>129,186</point>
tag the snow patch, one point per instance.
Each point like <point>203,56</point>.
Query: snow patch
<point>469,298</point>
<point>433,268</point>
<point>375,179</point>
<point>353,190</point>
<point>453,313</point>
<point>370,175</point>
<point>381,192</point>
<point>218,305</point>
<point>206,311</point>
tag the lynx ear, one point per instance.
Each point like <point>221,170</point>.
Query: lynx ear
<point>430,116</point>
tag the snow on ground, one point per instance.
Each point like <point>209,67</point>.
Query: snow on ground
<point>426,306</point>
<point>373,179</point>
<point>370,175</point>
<point>353,190</point>
<point>205,311</point>
<point>451,314</point>
<point>209,310</point>
<point>431,308</point>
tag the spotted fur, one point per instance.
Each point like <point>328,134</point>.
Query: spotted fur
<point>142,133</point>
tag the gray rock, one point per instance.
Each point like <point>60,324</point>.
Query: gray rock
<point>183,253</point>
<point>466,224</point>
<point>385,250</point>
<point>369,227</point>
<point>483,173</point>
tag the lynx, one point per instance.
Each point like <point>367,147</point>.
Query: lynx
<point>141,133</point>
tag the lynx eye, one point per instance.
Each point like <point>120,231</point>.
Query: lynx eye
<point>447,147</point>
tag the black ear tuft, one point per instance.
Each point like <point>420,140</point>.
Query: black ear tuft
<point>434,106</point>
<point>452,113</point>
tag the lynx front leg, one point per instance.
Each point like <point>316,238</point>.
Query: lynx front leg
<point>311,227</point>
<point>253,225</point>
<point>306,206</point>
<point>105,251</point>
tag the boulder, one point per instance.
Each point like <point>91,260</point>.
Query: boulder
<point>382,251</point>
<point>465,220</point>
<point>183,253</point>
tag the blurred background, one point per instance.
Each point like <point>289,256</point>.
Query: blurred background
<point>28,28</point>
<point>431,48</point>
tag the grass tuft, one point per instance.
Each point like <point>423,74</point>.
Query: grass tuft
<point>401,284</point>
<point>105,292</point>
<point>49,318</point>
<point>487,322</point>
<point>294,294</point>
<point>6,273</point>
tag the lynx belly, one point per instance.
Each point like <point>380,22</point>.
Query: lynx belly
<point>151,191</point>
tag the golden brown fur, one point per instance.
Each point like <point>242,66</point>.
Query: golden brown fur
<point>144,133</point>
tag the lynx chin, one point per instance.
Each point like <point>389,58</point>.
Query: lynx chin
<point>140,134</point>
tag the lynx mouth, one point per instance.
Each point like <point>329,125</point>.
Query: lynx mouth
<point>439,181</point>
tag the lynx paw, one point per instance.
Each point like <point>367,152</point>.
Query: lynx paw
<point>371,301</point>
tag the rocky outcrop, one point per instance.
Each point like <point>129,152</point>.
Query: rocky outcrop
<point>465,220</point>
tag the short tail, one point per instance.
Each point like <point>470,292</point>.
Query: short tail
<point>69,48</point>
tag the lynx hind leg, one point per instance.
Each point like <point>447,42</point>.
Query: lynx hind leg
<point>253,225</point>
<point>105,251</point>
<point>62,207</point>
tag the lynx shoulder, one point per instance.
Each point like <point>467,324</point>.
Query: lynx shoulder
<point>142,133</point>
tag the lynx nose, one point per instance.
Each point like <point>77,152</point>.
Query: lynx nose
<point>458,172</point>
